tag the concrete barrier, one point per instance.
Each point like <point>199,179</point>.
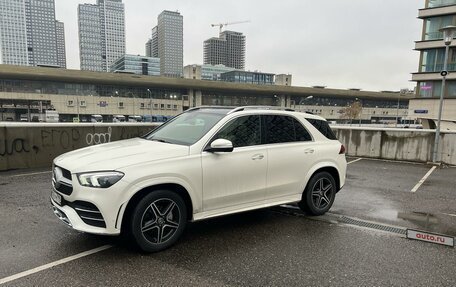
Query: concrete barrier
<point>29,145</point>
<point>36,145</point>
<point>397,144</point>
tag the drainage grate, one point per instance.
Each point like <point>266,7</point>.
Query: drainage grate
<point>348,220</point>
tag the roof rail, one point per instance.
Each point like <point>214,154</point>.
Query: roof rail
<point>210,107</point>
<point>238,109</point>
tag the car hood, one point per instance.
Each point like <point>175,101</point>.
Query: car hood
<point>118,154</point>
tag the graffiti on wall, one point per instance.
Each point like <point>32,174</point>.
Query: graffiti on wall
<point>17,145</point>
<point>64,138</point>
<point>99,138</point>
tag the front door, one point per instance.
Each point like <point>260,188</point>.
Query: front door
<point>238,178</point>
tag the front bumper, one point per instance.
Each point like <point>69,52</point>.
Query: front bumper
<point>74,218</point>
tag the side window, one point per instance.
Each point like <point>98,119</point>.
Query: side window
<point>302,135</point>
<point>243,131</point>
<point>283,129</point>
<point>280,129</point>
<point>323,127</point>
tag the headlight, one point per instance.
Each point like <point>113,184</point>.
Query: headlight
<point>99,179</point>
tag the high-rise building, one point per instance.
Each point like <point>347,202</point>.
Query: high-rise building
<point>41,32</point>
<point>61,53</point>
<point>436,15</point>
<point>13,33</point>
<point>29,27</point>
<point>137,64</point>
<point>149,48</point>
<point>90,49</point>
<point>215,51</point>
<point>112,16</point>
<point>101,34</point>
<point>152,44</point>
<point>228,50</point>
<point>170,43</point>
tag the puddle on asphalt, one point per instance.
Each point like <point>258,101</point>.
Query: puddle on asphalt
<point>422,219</point>
<point>430,222</point>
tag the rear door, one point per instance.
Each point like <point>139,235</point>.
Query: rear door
<point>291,153</point>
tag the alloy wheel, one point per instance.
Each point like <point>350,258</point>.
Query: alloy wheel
<point>322,193</point>
<point>160,221</point>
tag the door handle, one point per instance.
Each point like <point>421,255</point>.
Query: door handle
<point>257,156</point>
<point>309,150</point>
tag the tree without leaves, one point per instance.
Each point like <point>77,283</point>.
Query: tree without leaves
<point>352,111</point>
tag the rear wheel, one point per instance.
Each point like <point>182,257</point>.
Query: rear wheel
<point>319,195</point>
<point>158,220</point>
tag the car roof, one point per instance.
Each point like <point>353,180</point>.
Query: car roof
<point>254,110</point>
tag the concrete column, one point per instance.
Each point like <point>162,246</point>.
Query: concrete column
<point>198,98</point>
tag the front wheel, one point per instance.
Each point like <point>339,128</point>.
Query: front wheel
<point>158,220</point>
<point>319,195</point>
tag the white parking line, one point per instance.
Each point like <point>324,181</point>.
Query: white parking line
<point>34,173</point>
<point>423,179</point>
<point>52,264</point>
<point>358,159</point>
<point>449,214</point>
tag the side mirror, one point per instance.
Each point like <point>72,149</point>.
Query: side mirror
<point>220,145</point>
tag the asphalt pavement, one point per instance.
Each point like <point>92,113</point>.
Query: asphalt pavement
<point>268,247</point>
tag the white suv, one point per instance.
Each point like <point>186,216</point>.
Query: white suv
<point>206,162</point>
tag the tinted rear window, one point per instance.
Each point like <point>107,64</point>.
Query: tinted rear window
<point>323,127</point>
<point>283,129</point>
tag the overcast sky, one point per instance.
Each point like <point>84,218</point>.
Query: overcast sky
<point>366,44</point>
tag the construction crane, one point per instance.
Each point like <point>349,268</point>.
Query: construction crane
<point>221,25</point>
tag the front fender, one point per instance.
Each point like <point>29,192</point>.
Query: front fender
<point>159,180</point>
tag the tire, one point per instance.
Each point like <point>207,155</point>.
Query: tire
<point>319,195</point>
<point>158,220</point>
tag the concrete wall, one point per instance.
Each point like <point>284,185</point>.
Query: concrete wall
<point>36,145</point>
<point>397,144</point>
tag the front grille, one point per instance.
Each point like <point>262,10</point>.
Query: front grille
<point>61,180</point>
<point>88,212</point>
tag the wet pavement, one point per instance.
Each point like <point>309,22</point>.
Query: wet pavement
<point>382,191</point>
<point>275,246</point>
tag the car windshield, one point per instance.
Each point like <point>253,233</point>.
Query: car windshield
<point>187,128</point>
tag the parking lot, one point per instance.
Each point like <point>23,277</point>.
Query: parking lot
<point>360,242</point>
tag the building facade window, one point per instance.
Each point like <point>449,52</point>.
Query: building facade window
<point>440,3</point>
<point>432,89</point>
<point>433,59</point>
<point>434,24</point>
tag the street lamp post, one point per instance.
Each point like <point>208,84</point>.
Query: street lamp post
<point>303,101</point>
<point>150,104</point>
<point>397,109</point>
<point>401,93</point>
<point>276,99</point>
<point>77,103</point>
<point>174,97</point>
<point>118,100</point>
<point>77,106</point>
<point>448,35</point>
